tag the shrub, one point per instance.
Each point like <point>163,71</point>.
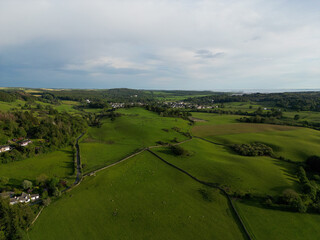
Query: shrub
<point>254,149</point>
<point>313,163</point>
<point>26,184</point>
<point>179,151</point>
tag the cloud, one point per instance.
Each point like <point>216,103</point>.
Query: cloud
<point>208,54</point>
<point>172,44</point>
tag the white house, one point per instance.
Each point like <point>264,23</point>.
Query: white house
<point>24,198</point>
<point>5,148</point>
<point>25,143</point>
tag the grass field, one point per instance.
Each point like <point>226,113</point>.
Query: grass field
<point>136,129</point>
<point>237,128</point>
<point>265,224</point>
<point>142,198</point>
<point>6,106</point>
<point>304,116</point>
<point>296,145</point>
<point>58,163</point>
<point>217,164</point>
<point>213,118</point>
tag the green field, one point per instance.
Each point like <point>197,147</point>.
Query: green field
<point>7,106</point>
<point>213,118</point>
<point>58,163</point>
<point>265,224</point>
<point>142,198</point>
<point>136,129</point>
<point>218,164</point>
<point>297,145</point>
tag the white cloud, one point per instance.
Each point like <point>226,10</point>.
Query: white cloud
<point>219,42</point>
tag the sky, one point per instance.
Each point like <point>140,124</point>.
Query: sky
<point>160,44</point>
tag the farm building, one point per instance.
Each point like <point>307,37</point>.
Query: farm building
<point>24,198</point>
<point>5,148</point>
<point>25,143</point>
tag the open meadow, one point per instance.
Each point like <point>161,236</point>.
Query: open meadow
<point>265,224</point>
<point>142,198</point>
<point>218,164</point>
<point>137,128</point>
<point>294,143</point>
<point>58,163</point>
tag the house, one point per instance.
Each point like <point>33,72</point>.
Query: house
<point>34,197</point>
<point>88,101</point>
<point>5,148</point>
<point>24,198</point>
<point>25,143</point>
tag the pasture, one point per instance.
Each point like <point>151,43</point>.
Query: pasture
<point>265,224</point>
<point>237,128</point>
<point>141,198</point>
<point>58,163</point>
<point>136,129</point>
<point>214,118</point>
<point>297,145</point>
<point>218,164</point>
<point>7,106</point>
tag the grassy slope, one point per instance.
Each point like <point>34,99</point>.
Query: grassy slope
<point>141,198</point>
<point>268,224</point>
<point>7,106</point>
<point>296,145</point>
<point>138,128</point>
<point>58,163</point>
<point>218,164</point>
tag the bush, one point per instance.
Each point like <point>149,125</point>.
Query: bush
<point>179,151</point>
<point>26,184</point>
<point>254,149</point>
<point>313,163</point>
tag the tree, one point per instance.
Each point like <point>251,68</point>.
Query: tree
<point>42,179</point>
<point>26,184</point>
<point>178,150</point>
<point>3,182</point>
<point>296,117</point>
<point>313,163</point>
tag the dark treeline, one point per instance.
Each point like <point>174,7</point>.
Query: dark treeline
<point>165,111</point>
<point>13,95</point>
<point>272,113</point>
<point>106,95</point>
<point>298,101</point>
<point>253,149</point>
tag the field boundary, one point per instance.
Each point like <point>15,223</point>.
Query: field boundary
<point>212,185</point>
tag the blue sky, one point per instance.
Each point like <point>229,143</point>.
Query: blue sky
<point>160,44</point>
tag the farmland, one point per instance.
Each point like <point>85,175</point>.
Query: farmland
<point>58,163</point>
<point>135,129</point>
<point>216,164</point>
<point>264,223</point>
<point>143,198</point>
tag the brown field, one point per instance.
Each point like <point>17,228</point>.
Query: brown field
<point>224,129</point>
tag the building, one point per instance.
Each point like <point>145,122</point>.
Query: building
<point>5,148</point>
<point>24,198</point>
<point>25,143</point>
